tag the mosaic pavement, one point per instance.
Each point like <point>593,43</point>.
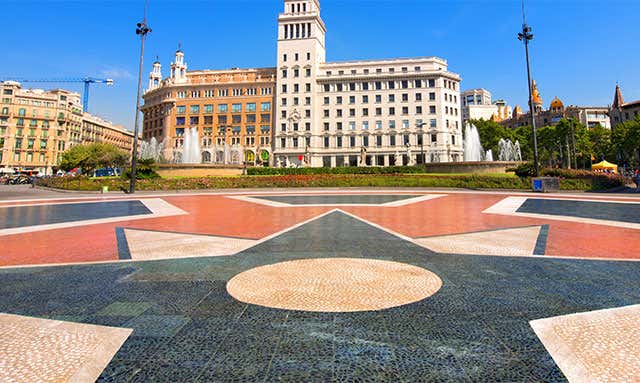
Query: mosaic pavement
<point>361,293</point>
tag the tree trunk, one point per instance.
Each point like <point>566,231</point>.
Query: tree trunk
<point>566,140</point>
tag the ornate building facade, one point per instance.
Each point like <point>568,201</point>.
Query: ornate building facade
<point>589,116</point>
<point>621,111</point>
<point>232,111</point>
<point>307,111</point>
<point>37,126</point>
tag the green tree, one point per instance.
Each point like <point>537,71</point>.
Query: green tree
<point>626,140</point>
<point>600,138</point>
<point>90,157</point>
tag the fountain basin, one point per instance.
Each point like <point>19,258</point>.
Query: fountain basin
<point>198,170</point>
<point>483,167</point>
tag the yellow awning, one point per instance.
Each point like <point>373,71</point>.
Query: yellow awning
<point>604,165</point>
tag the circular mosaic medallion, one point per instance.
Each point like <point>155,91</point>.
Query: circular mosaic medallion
<point>334,285</point>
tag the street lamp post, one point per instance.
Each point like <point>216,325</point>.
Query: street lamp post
<point>141,29</point>
<point>525,36</point>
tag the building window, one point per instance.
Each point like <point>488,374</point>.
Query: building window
<point>392,124</point>
<point>365,99</point>
<point>365,141</point>
<point>326,142</point>
<point>433,123</point>
<point>418,96</point>
<point>223,108</point>
<point>378,140</point>
<point>365,125</point>
<point>391,85</point>
<point>392,98</point>
<point>208,108</point>
<point>236,108</point>
<point>378,124</point>
<point>181,109</point>
<point>392,141</point>
<point>194,109</point>
<point>432,96</point>
<point>251,107</point>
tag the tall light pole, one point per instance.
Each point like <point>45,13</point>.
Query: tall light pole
<point>525,36</point>
<point>141,29</point>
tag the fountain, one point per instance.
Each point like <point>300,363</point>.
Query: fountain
<point>153,149</point>
<point>489,155</point>
<point>509,151</point>
<point>191,148</point>
<point>473,151</point>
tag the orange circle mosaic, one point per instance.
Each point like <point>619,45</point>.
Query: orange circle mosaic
<point>334,285</point>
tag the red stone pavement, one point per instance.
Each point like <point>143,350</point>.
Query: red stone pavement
<point>218,215</point>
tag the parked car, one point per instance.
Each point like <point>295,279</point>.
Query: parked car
<point>21,180</point>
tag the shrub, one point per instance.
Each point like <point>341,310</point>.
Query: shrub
<point>261,171</point>
<point>145,169</point>
<point>525,170</point>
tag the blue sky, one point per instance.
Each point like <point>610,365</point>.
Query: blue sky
<point>581,47</point>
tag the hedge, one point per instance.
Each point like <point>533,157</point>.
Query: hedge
<point>337,170</point>
<point>471,181</point>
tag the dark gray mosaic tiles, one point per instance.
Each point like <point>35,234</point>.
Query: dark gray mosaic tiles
<point>372,199</point>
<point>22,216</point>
<point>610,211</point>
<point>187,328</point>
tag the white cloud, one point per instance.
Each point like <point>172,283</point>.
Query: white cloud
<point>118,73</point>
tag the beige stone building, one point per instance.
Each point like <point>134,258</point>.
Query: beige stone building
<point>369,112</point>
<point>95,129</point>
<point>37,126</point>
<point>231,110</point>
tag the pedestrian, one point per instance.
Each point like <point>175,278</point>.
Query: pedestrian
<point>636,179</point>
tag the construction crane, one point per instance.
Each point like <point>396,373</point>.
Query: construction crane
<point>86,80</point>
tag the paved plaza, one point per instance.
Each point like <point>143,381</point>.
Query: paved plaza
<point>304,285</point>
